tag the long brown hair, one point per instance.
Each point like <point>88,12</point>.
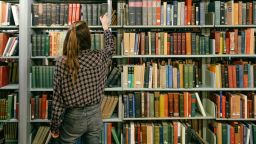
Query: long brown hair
<point>78,38</point>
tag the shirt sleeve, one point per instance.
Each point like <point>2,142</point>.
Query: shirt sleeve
<point>57,101</point>
<point>109,50</point>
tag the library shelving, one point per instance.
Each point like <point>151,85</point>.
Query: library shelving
<point>26,59</point>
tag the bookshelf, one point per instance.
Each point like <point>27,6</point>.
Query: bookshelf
<point>11,88</point>
<point>26,29</point>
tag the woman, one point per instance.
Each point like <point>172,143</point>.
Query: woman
<point>78,87</point>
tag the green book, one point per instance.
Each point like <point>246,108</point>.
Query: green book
<point>97,41</point>
<point>224,133</point>
<point>181,110</point>
<point>190,76</point>
<point>37,77</point>
<point>156,134</point>
<point>171,132</point>
<point>161,43</point>
<point>33,84</point>
<point>44,78</point>
<point>165,133</point>
<point>197,45</point>
<point>47,45</point>
<point>114,134</point>
<point>38,45</point>
<point>151,105</point>
<point>34,46</point>
<point>186,79</point>
<point>10,106</point>
<point>42,53</point>
<point>40,71</point>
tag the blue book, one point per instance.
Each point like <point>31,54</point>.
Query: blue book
<point>241,73</point>
<point>175,12</point>
<point>125,106</point>
<point>249,75</point>
<point>221,104</point>
<point>105,133</point>
<point>167,76</point>
<point>170,76</point>
<point>228,133</point>
<point>133,105</point>
<point>161,134</point>
<point>168,15</point>
<point>243,42</point>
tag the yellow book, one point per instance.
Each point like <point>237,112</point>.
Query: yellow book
<point>126,44</point>
<point>181,70</point>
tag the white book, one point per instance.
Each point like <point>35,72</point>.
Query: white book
<point>201,108</point>
<point>15,13</point>
<point>132,133</point>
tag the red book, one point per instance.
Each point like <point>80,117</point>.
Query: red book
<point>179,44</point>
<point>109,135</point>
<point>158,12</point>
<point>43,106</point>
<point>175,45</point>
<point>139,131</point>
<point>170,98</point>
<point>227,40</point>
<point>249,109</point>
<point>4,76</point>
<point>247,36</point>
<point>189,12</point>
<point>234,76</point>
<point>175,132</point>
<point>32,109</point>
<point>73,19</point>
<point>78,13</point>
<point>3,41</point>
<point>183,43</point>
<point>230,76</point>
<point>176,105</point>
<point>70,14</point>
<point>236,41</point>
<point>17,111</point>
<point>189,104</point>
<point>217,42</point>
<point>185,104</point>
<point>232,134</point>
<point>223,106</point>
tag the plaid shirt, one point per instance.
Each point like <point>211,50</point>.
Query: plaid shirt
<point>89,86</point>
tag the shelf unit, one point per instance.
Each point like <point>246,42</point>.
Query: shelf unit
<point>12,87</point>
<point>25,29</point>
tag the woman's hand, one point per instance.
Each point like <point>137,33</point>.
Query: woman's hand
<point>54,135</point>
<point>104,21</point>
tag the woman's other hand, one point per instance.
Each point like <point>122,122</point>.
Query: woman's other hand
<point>104,21</point>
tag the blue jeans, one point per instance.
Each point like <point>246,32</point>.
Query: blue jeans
<point>81,121</point>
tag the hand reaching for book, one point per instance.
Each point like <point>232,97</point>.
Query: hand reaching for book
<point>104,21</point>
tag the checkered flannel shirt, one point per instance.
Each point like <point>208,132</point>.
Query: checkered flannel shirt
<point>89,87</point>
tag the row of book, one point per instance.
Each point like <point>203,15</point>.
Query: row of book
<point>41,135</point>
<point>9,45</point>
<point>114,77</point>
<point>9,107</point>
<point>111,133</point>
<point>160,75</point>
<point>48,44</point>
<point>10,131</point>
<point>146,104</point>
<point>187,43</point>
<point>171,132</point>
<point>40,107</point>
<point>189,74</point>
<point>240,74</point>
<point>51,44</point>
<point>157,12</point>
<point>42,76</point>
<point>8,73</point>
<point>65,14</point>
<point>9,13</point>
<point>234,132</point>
<point>109,106</point>
<point>235,105</point>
